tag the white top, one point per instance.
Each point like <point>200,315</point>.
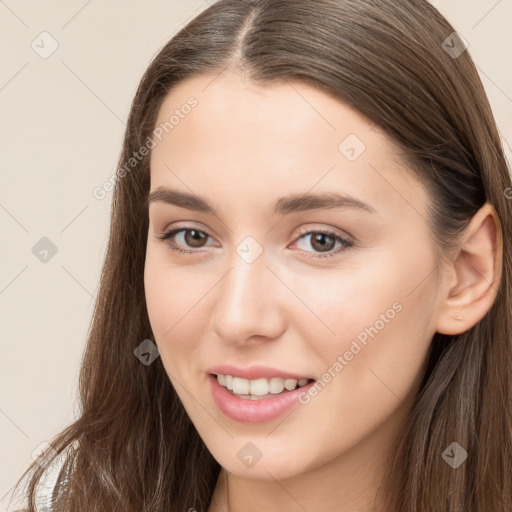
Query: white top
<point>48,482</point>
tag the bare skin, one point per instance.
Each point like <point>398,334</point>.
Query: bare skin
<point>241,148</point>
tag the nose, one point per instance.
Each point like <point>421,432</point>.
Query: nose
<point>248,306</point>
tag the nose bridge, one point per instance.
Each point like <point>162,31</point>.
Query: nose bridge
<point>247,300</point>
<point>244,289</point>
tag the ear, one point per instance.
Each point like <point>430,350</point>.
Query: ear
<point>473,275</point>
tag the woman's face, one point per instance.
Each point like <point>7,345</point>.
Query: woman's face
<point>339,288</point>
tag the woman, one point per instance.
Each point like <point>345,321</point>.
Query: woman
<point>306,297</point>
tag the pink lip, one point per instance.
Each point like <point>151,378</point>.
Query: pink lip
<point>254,372</point>
<point>254,411</point>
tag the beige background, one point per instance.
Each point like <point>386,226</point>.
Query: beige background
<point>61,128</point>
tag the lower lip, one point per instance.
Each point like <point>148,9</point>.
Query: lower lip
<point>254,411</point>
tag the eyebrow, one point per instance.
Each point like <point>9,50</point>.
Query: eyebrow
<point>285,205</point>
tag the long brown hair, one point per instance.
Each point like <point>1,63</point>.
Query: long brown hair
<point>133,447</point>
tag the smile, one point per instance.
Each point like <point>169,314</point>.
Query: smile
<point>274,399</point>
<point>258,388</point>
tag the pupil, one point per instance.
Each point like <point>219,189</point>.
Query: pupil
<point>196,236</point>
<point>320,238</point>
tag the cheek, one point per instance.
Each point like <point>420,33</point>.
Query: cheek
<point>377,316</point>
<point>372,364</point>
<point>177,304</point>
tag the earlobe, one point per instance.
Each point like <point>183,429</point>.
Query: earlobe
<point>475,274</point>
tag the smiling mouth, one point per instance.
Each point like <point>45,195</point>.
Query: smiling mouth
<point>262,388</point>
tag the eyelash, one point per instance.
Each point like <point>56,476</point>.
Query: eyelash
<point>347,243</point>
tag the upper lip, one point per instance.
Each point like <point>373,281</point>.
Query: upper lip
<point>254,372</point>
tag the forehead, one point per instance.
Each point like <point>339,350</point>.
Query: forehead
<point>280,114</point>
<point>287,137</point>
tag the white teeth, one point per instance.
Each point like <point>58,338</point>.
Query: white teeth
<point>258,388</point>
<point>291,384</point>
<point>276,385</point>
<point>240,386</point>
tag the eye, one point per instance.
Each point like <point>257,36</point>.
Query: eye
<point>322,241</point>
<point>192,236</point>
<point>325,241</point>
